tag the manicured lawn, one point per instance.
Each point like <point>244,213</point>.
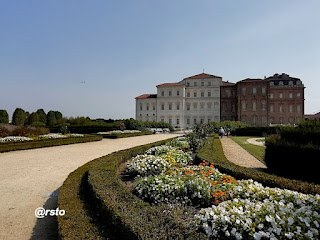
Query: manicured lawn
<point>256,151</point>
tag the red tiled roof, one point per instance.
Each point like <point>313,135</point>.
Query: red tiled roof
<point>316,115</point>
<point>147,96</point>
<point>169,84</point>
<point>202,75</point>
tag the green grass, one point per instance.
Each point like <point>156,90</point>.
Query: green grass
<point>256,151</point>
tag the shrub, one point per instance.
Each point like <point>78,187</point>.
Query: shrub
<point>256,131</point>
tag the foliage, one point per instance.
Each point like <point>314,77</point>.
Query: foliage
<point>19,117</point>
<point>33,117</point>
<point>42,116</point>
<point>4,117</point>
<point>231,125</point>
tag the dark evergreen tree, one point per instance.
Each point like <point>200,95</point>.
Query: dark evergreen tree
<point>51,118</point>
<point>19,117</point>
<point>42,116</point>
<point>4,117</point>
<point>34,117</point>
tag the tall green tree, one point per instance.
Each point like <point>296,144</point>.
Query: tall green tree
<point>51,118</point>
<point>42,116</point>
<point>19,117</point>
<point>58,115</point>
<point>4,117</point>
<point>34,117</point>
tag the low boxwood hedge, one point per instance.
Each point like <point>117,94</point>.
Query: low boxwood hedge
<point>212,152</point>
<point>255,131</point>
<point>125,135</point>
<point>6,147</point>
<point>99,205</point>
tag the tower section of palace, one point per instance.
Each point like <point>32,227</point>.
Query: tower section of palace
<point>203,98</point>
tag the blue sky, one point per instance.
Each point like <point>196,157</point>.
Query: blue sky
<point>122,49</point>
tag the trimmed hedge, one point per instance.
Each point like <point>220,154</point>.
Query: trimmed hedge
<point>6,147</point>
<point>256,131</point>
<point>125,135</point>
<point>293,160</point>
<point>106,207</point>
<point>213,152</point>
<point>88,129</point>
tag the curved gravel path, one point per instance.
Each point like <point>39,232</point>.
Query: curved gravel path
<point>236,154</point>
<point>31,178</point>
<point>255,142</point>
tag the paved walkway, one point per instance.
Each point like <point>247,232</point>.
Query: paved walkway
<point>236,154</point>
<point>31,178</point>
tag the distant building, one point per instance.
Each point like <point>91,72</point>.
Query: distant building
<point>312,116</point>
<point>203,98</point>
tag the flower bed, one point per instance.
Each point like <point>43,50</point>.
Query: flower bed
<point>258,212</point>
<point>239,209</point>
<point>40,137</point>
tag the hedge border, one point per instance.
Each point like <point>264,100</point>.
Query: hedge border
<point>125,135</point>
<point>97,185</point>
<point>6,147</point>
<point>212,152</point>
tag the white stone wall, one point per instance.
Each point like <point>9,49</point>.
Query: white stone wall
<point>194,101</point>
<point>146,109</point>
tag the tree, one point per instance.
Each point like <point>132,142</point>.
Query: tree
<point>51,118</point>
<point>19,117</point>
<point>34,117</point>
<point>42,116</point>
<point>58,115</point>
<point>4,117</point>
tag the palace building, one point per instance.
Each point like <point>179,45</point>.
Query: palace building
<point>203,98</point>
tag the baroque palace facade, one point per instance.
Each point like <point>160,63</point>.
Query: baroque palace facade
<point>203,98</point>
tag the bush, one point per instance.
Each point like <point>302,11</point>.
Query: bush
<point>293,154</point>
<point>124,135</point>
<point>256,131</point>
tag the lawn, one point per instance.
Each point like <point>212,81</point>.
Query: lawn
<point>256,151</point>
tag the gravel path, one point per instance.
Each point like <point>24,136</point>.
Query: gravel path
<point>236,154</point>
<point>31,178</point>
<point>255,142</point>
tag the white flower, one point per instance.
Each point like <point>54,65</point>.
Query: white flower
<point>290,221</point>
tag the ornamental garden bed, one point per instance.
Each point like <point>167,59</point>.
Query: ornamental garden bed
<point>13,143</point>
<point>173,198</point>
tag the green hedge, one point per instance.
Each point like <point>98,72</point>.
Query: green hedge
<point>255,131</point>
<point>102,206</point>
<point>88,129</point>
<point>6,147</point>
<point>125,135</point>
<point>213,152</point>
<point>293,158</point>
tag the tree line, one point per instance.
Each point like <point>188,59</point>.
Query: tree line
<point>39,118</point>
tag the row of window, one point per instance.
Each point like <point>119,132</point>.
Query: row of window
<point>262,90</point>
<point>245,107</point>
<point>188,94</point>
<point>190,121</point>
<point>291,108</point>
<point>263,120</point>
<point>281,95</point>
<point>195,84</point>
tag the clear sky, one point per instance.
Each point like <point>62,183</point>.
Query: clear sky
<point>122,49</point>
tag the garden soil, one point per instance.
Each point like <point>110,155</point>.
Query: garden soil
<point>30,179</point>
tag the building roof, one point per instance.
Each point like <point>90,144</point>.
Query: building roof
<point>252,80</point>
<point>285,78</point>
<point>169,84</point>
<point>227,83</point>
<point>202,75</point>
<point>316,115</point>
<point>147,96</point>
